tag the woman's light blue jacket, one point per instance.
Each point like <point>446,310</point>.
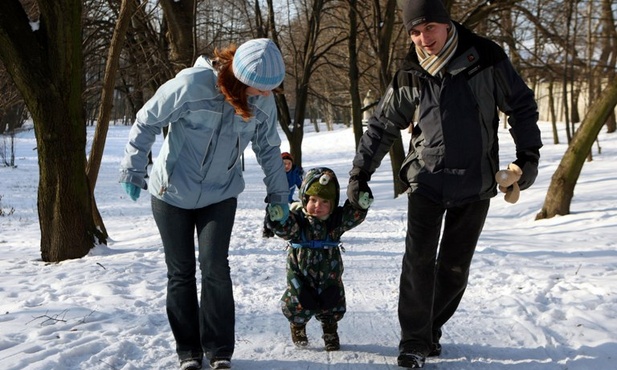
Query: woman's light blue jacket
<point>200,160</point>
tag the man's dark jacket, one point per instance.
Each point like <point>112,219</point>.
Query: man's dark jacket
<point>453,154</point>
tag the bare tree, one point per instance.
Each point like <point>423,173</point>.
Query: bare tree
<point>384,45</point>
<point>308,43</point>
<point>561,189</point>
<point>180,18</point>
<point>607,63</point>
<point>45,62</point>
<point>11,105</point>
<point>127,9</point>
<point>354,73</point>
<point>145,64</point>
<point>282,106</point>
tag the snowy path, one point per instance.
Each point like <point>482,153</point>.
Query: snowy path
<point>542,294</point>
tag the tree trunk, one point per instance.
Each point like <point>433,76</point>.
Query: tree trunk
<point>46,66</point>
<point>297,132</point>
<point>354,73</point>
<point>127,8</point>
<point>282,107</point>
<point>64,195</point>
<point>611,123</point>
<point>561,189</point>
<point>551,104</point>
<point>180,16</point>
<point>608,57</point>
<point>397,151</point>
<point>306,58</point>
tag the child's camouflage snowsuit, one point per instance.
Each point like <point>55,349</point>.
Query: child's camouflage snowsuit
<point>314,275</point>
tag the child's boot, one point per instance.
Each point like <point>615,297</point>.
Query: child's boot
<point>298,335</point>
<point>330,336</point>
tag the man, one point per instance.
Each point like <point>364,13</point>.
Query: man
<point>457,81</point>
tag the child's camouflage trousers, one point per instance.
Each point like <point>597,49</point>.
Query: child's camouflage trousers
<point>314,285</point>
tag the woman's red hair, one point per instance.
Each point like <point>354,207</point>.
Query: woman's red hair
<point>233,90</point>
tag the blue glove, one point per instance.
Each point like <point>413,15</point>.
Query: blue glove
<point>278,212</point>
<point>132,190</point>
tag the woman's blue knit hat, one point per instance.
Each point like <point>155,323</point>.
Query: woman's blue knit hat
<point>258,63</point>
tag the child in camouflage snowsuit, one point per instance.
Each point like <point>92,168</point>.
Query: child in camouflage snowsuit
<point>314,262</point>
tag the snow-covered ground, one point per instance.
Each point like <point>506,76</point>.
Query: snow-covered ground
<point>542,294</point>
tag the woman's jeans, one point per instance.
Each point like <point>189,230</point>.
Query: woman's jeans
<point>207,327</point>
<point>435,267</point>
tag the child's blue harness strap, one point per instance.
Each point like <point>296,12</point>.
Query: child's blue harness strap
<point>316,244</point>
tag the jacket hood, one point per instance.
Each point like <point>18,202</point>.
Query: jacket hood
<point>203,61</point>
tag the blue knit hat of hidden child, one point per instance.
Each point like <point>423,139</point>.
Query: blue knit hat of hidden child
<point>258,63</point>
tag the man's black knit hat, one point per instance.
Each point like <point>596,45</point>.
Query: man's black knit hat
<point>416,12</point>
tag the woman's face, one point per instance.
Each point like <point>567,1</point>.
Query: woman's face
<point>430,36</point>
<point>251,91</point>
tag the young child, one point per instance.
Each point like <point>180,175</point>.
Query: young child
<point>314,263</point>
<point>294,179</point>
<point>294,174</point>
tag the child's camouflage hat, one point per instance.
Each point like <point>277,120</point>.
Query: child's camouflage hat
<point>321,182</point>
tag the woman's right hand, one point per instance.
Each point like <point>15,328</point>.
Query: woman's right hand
<point>132,190</point>
<point>278,212</point>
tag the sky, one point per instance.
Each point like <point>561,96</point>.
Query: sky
<point>542,295</point>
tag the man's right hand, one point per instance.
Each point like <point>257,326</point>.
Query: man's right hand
<point>527,160</point>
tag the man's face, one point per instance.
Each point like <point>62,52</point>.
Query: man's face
<point>430,36</point>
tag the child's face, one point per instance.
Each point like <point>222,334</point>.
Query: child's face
<point>287,164</point>
<point>318,207</point>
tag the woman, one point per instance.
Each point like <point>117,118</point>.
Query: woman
<point>213,111</point>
